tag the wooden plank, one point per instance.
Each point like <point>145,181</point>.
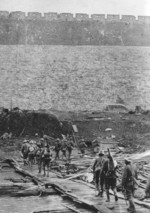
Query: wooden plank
<point>71,208</point>
<point>101,208</point>
<point>85,202</point>
<point>141,203</point>
<point>13,163</point>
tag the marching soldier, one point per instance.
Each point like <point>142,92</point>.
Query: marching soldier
<point>109,171</point>
<point>42,142</point>
<point>35,149</point>
<point>63,148</point>
<point>31,153</point>
<point>57,148</point>
<point>147,190</point>
<point>128,184</point>
<point>46,157</point>
<point>25,151</point>
<point>95,145</point>
<point>39,153</point>
<point>82,147</point>
<point>98,175</point>
<point>70,146</point>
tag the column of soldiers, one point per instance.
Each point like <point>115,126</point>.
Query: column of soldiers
<point>105,176</point>
<point>37,152</point>
<point>40,152</point>
<point>104,169</point>
<point>65,146</point>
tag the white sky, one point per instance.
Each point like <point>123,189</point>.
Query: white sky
<point>122,7</point>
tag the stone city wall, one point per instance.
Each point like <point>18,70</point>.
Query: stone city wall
<point>71,17</point>
<point>73,77</point>
<point>68,29</point>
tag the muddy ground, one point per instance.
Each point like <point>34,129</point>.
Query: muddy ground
<point>129,131</point>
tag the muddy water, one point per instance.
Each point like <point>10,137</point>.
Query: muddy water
<point>29,204</point>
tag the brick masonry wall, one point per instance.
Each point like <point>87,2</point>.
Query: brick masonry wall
<point>73,77</point>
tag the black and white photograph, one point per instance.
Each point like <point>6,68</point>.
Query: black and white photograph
<point>74,106</point>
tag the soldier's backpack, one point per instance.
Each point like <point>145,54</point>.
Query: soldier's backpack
<point>111,173</point>
<point>31,150</point>
<point>47,154</point>
<point>25,149</point>
<point>39,152</point>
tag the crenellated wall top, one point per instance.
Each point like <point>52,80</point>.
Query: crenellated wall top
<point>51,16</point>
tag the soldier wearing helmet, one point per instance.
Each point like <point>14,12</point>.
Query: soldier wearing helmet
<point>38,155</point>
<point>128,182</point>
<point>46,159</point>
<point>82,146</point>
<point>97,170</point>
<point>31,153</point>
<point>57,148</point>
<point>110,177</point>
<point>25,151</point>
<point>64,148</point>
<point>70,146</point>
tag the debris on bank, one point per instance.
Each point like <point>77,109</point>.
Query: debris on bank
<point>79,181</point>
<point>124,133</point>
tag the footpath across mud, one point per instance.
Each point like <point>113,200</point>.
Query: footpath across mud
<point>73,186</point>
<point>70,188</point>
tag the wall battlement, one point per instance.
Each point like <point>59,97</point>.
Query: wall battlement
<point>51,16</point>
<point>128,18</point>
<point>67,29</point>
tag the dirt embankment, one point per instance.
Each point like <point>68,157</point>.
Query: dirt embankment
<point>22,123</point>
<point>129,130</point>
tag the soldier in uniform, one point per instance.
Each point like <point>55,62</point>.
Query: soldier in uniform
<point>98,176</point>
<point>47,157</point>
<point>110,177</point>
<point>82,147</point>
<point>95,145</point>
<point>128,183</point>
<point>25,151</point>
<point>35,149</point>
<point>37,137</point>
<point>57,148</point>
<point>70,146</point>
<point>31,153</point>
<point>64,148</point>
<point>42,142</point>
<point>147,190</point>
<point>39,153</point>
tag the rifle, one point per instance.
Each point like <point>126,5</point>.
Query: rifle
<point>109,154</point>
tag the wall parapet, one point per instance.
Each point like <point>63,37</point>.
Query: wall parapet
<point>81,17</point>
<point>111,17</point>
<point>144,19</point>
<point>54,16</point>
<point>34,15</point>
<point>66,17</point>
<point>50,16</point>
<point>128,18</point>
<point>98,17</point>
<point>17,15</point>
<point>4,14</point>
